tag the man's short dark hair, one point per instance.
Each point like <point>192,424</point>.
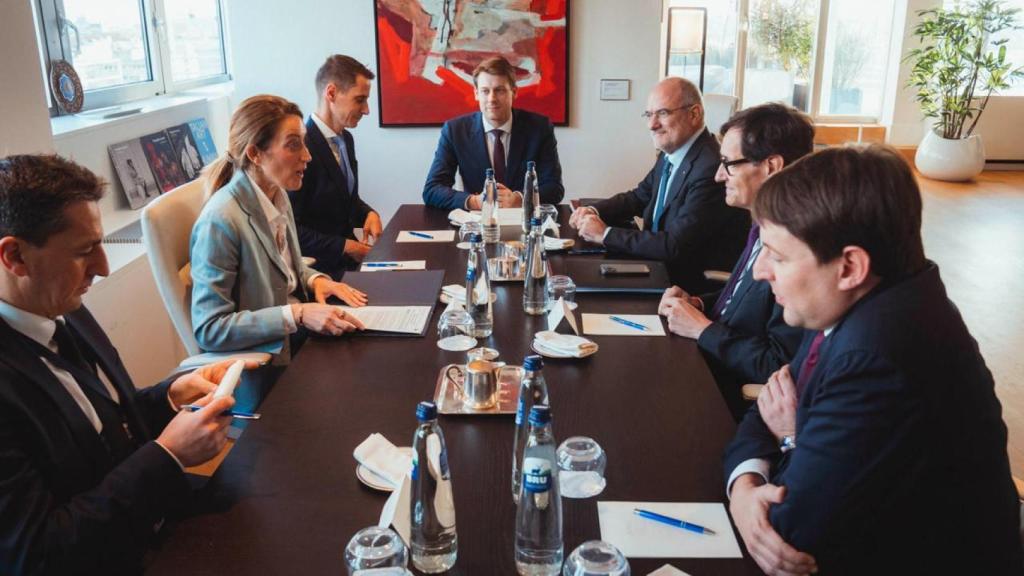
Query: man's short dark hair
<point>496,66</point>
<point>342,71</point>
<point>771,129</point>
<point>855,195</point>
<point>35,190</point>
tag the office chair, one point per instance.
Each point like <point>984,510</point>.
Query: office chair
<point>166,228</point>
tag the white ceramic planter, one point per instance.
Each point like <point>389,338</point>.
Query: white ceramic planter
<point>952,160</point>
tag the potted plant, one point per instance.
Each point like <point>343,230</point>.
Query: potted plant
<point>961,62</point>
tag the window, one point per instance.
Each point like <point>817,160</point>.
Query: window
<point>129,49</point>
<point>1015,46</point>
<point>830,58</point>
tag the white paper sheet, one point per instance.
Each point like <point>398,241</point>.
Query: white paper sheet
<point>603,325</point>
<point>398,265</point>
<point>396,510</point>
<point>506,216</point>
<point>402,319</point>
<point>435,236</point>
<point>668,570</point>
<point>639,537</point>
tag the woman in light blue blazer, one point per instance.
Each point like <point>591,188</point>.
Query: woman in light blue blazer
<point>250,288</point>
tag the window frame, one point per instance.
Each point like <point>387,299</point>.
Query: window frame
<point>56,45</point>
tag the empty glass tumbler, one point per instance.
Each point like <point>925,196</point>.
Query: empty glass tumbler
<point>375,548</point>
<point>581,464</point>
<point>595,558</point>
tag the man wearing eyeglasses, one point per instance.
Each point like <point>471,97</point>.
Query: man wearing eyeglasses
<point>497,137</point>
<point>740,328</point>
<point>686,222</point>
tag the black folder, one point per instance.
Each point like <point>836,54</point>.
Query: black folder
<point>586,274</point>
<point>398,288</point>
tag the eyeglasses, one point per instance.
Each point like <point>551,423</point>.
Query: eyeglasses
<point>728,164</point>
<point>664,112</point>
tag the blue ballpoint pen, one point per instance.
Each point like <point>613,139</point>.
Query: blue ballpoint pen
<point>381,264</point>
<point>625,322</point>
<point>421,235</point>
<point>232,413</point>
<point>673,521</point>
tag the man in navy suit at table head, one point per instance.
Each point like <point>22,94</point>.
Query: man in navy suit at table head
<point>499,137</point>
<point>328,207</point>
<point>881,448</point>
<point>739,328</point>
<point>89,466</point>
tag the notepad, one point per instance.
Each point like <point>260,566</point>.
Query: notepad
<point>638,537</point>
<point>399,319</point>
<point>603,325</point>
<point>386,266</point>
<point>426,236</point>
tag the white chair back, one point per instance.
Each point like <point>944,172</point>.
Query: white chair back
<point>718,108</point>
<point>166,228</point>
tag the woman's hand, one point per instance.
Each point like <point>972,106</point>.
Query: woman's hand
<point>324,288</point>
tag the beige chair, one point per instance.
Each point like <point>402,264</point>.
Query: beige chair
<point>718,108</point>
<point>166,228</point>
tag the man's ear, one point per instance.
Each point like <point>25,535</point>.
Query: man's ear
<point>855,270</point>
<point>12,257</point>
<point>774,163</point>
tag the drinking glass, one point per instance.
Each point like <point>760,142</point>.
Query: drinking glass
<point>455,330</point>
<point>465,230</point>
<point>375,547</point>
<point>581,464</point>
<point>559,286</point>
<point>595,558</point>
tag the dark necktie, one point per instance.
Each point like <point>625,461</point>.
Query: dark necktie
<point>343,162</point>
<point>726,296</point>
<point>68,349</point>
<point>659,202</point>
<point>498,157</point>
<point>810,362</point>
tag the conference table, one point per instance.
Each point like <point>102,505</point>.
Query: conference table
<point>286,500</point>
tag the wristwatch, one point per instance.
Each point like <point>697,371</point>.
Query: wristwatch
<point>787,443</point>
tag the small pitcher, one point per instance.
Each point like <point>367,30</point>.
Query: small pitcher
<point>481,384</point>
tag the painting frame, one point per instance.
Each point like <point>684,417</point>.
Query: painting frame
<point>452,97</point>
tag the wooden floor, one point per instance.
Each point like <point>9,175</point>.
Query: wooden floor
<point>975,232</point>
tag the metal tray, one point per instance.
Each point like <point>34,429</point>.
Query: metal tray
<point>448,393</point>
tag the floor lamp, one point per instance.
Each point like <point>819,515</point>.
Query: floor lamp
<point>687,35</point>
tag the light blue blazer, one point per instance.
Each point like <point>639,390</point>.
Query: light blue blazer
<point>239,280</point>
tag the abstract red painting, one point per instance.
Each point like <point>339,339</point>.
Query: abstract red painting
<point>427,50</point>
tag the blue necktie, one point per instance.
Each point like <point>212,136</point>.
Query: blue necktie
<point>343,162</point>
<point>659,205</point>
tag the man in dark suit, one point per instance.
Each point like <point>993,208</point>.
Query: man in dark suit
<point>327,207</point>
<point>83,485</point>
<point>686,221</point>
<point>883,450</point>
<point>497,137</point>
<point>739,328</point>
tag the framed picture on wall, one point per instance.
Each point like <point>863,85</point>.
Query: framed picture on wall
<point>427,50</point>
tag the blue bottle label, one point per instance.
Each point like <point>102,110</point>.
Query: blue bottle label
<point>415,467</point>
<point>519,410</point>
<point>444,462</point>
<point>536,475</point>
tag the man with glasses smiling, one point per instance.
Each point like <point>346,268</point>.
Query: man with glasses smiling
<point>686,221</point>
<point>740,328</point>
<point>497,137</point>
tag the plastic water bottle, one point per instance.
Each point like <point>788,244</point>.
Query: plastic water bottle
<point>536,277</point>
<point>478,289</point>
<point>431,507</point>
<point>539,513</point>
<point>531,195</point>
<point>489,209</point>
<point>533,391</point>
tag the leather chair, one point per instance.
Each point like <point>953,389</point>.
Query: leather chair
<point>166,228</point>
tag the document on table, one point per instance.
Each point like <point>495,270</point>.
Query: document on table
<point>426,236</point>
<point>639,537</point>
<point>506,216</point>
<point>384,266</point>
<point>401,319</point>
<point>627,325</point>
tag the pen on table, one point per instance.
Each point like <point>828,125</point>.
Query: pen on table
<point>421,235</point>
<point>673,521</point>
<point>232,413</point>
<point>625,322</point>
<point>381,264</point>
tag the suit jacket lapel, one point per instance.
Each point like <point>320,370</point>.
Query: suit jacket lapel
<point>478,150</point>
<point>744,287</point>
<point>681,173</point>
<point>23,358</point>
<point>350,143</point>
<point>322,153</point>
<point>516,148</point>
<point>245,194</point>
<point>659,167</point>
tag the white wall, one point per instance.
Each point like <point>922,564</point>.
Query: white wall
<point>606,148</point>
<point>24,118</point>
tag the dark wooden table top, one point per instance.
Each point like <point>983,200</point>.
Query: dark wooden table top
<point>287,500</point>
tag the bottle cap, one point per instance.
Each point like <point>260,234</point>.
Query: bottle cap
<point>540,415</point>
<point>530,164</point>
<point>533,363</point>
<point>470,274</point>
<point>489,173</point>
<point>535,221</point>
<point>426,411</point>
<point>474,237</point>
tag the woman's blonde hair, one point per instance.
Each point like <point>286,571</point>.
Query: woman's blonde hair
<point>254,123</point>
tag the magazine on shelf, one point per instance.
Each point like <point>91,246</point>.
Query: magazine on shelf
<point>203,141</point>
<point>160,154</point>
<point>133,172</point>
<point>185,151</point>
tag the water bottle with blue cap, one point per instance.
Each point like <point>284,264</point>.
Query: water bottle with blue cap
<point>533,391</point>
<point>433,540</point>
<point>538,547</point>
